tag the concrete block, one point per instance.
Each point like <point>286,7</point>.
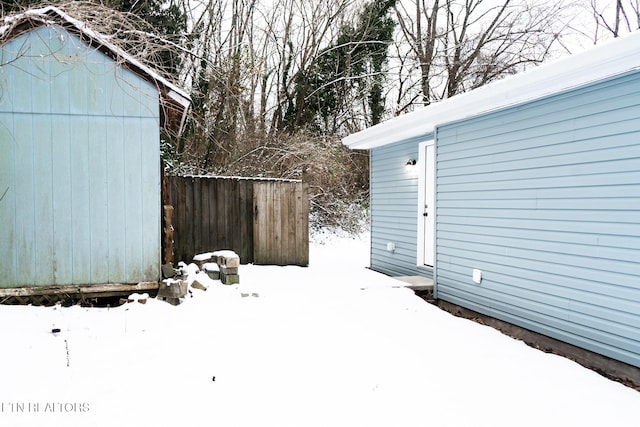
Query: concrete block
<point>227,258</point>
<point>229,279</point>
<point>229,270</point>
<point>231,262</point>
<point>212,270</point>
<point>172,288</point>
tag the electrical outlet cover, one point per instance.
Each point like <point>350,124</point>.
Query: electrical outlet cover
<point>477,275</point>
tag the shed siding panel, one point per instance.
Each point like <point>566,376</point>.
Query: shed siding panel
<point>80,158</point>
<point>544,198</point>
<point>43,199</point>
<point>80,201</point>
<point>99,202</point>
<point>394,201</point>
<point>151,202</point>
<point>133,201</point>
<point>78,95</point>
<point>62,218</point>
<point>7,197</point>
<point>24,207</point>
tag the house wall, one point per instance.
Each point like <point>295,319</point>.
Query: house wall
<point>544,198</point>
<point>79,137</point>
<point>394,209</point>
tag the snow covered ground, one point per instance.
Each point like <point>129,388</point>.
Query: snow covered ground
<point>333,344</point>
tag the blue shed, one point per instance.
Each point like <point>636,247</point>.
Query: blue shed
<point>524,203</point>
<point>80,121</point>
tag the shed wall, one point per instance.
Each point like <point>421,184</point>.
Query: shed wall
<point>79,137</point>
<point>394,209</point>
<point>544,198</point>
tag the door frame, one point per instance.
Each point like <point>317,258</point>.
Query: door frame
<point>426,177</point>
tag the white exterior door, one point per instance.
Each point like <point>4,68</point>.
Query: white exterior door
<point>426,203</point>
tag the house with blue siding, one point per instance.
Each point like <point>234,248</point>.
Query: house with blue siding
<point>521,199</point>
<point>80,122</point>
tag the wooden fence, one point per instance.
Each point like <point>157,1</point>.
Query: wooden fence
<point>263,221</point>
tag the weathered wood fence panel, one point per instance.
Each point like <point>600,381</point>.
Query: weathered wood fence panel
<point>263,221</point>
<point>281,225</point>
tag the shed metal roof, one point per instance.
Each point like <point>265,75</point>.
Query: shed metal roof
<point>175,101</point>
<point>614,58</point>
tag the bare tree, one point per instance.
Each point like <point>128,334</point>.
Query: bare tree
<point>303,28</point>
<point>458,45</point>
<point>614,17</point>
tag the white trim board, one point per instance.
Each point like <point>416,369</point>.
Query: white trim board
<point>426,226</point>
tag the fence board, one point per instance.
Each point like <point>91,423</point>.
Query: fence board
<point>260,236</point>
<point>246,219</point>
<point>206,213</point>
<point>213,213</point>
<point>197,223</point>
<point>263,221</point>
<point>188,209</point>
<point>220,216</point>
<point>302,224</point>
<point>286,210</point>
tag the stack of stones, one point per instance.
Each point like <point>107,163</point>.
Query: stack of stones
<point>220,265</point>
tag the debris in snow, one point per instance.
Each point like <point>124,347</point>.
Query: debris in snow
<point>192,269</point>
<point>247,294</point>
<point>198,284</point>
<point>66,347</point>
<point>55,330</point>
<point>172,288</point>
<point>202,258</point>
<point>220,265</point>
<point>168,271</point>
<point>229,262</point>
<point>184,270</point>
<point>140,298</point>
<point>227,258</point>
<point>212,270</point>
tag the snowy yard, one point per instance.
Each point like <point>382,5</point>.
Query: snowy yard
<point>333,344</point>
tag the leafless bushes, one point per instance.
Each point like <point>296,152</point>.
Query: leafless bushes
<point>337,177</point>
